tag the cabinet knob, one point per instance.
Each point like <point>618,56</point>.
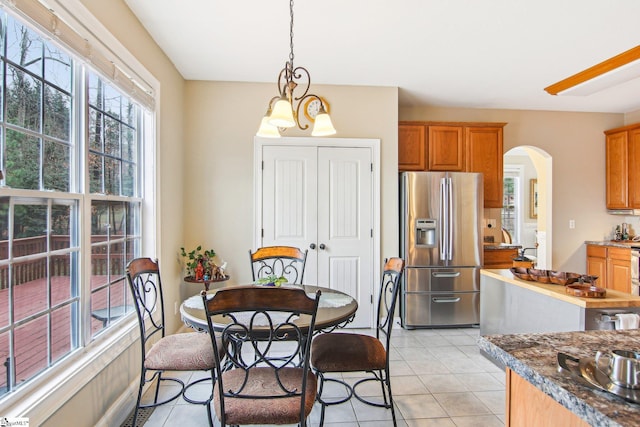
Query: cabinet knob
<point>312,246</point>
<point>322,246</point>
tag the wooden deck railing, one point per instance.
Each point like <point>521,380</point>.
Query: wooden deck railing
<point>29,271</point>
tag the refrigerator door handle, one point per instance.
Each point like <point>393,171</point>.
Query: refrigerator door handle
<point>441,300</point>
<point>446,275</point>
<point>444,231</point>
<point>449,219</point>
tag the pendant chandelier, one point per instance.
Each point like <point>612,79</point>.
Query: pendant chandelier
<point>284,110</point>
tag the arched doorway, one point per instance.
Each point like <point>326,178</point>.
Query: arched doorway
<point>531,168</point>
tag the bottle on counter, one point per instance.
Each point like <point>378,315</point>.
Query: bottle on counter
<point>618,233</point>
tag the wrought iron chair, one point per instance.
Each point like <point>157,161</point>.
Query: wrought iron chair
<point>179,352</point>
<point>278,261</point>
<point>266,378</point>
<point>349,352</point>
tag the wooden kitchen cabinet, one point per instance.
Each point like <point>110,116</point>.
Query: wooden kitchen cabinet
<point>455,147</point>
<point>484,155</point>
<point>612,265</point>
<point>619,269</point>
<point>622,167</point>
<point>529,406</point>
<point>499,258</point>
<point>412,148</point>
<point>446,148</point>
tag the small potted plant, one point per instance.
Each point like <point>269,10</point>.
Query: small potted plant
<point>199,264</point>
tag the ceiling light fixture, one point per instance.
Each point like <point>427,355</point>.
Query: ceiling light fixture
<point>284,110</point>
<point>616,70</point>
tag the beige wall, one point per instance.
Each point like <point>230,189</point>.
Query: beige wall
<point>103,390</point>
<point>221,119</point>
<point>205,133</point>
<point>575,142</point>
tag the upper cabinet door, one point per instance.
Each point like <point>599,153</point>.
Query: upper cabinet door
<point>634,168</point>
<point>484,155</point>
<point>412,148</point>
<point>617,171</point>
<point>446,148</point>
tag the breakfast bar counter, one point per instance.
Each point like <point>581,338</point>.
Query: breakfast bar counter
<point>538,394</point>
<point>510,305</point>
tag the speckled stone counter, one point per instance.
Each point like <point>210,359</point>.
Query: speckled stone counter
<point>534,358</point>
<point>614,243</point>
<point>501,246</point>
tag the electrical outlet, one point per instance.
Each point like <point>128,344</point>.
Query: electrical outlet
<point>572,223</point>
<point>175,307</point>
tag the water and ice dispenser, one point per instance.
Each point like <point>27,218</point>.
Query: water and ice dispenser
<point>426,232</point>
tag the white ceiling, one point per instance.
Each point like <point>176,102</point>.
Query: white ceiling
<point>455,53</point>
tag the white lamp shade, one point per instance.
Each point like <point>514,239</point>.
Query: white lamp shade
<point>323,126</point>
<point>267,130</point>
<point>282,115</point>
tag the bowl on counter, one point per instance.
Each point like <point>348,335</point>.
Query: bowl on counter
<point>585,291</point>
<point>563,277</point>
<point>541,276</point>
<point>521,273</point>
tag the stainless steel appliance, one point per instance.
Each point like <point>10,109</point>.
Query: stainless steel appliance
<point>441,243</point>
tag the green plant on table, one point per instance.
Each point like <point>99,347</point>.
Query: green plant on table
<point>196,256</point>
<point>272,280</point>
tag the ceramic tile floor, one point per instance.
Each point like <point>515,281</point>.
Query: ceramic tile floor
<point>438,376</point>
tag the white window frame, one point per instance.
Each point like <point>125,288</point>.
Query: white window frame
<point>44,395</point>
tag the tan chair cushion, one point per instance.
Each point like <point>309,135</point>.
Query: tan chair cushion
<point>261,382</point>
<point>344,352</point>
<point>190,351</point>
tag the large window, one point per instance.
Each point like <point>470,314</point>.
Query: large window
<point>70,203</point>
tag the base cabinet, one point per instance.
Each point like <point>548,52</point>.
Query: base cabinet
<point>529,406</point>
<point>499,258</point>
<point>612,265</point>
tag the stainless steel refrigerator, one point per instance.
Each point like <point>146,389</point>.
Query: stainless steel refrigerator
<point>441,243</point>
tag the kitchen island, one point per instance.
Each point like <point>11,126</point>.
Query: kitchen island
<point>510,305</point>
<point>539,395</point>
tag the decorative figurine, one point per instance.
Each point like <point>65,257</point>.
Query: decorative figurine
<point>199,270</point>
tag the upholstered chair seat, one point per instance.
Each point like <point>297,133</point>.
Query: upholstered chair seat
<point>340,352</point>
<point>190,351</point>
<point>260,382</point>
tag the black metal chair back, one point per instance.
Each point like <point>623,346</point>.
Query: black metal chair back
<point>278,261</point>
<point>143,275</point>
<point>159,352</point>
<point>388,298</point>
<point>266,378</point>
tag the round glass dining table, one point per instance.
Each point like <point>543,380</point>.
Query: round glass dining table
<point>335,309</point>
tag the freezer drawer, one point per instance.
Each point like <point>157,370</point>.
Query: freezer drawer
<point>441,279</point>
<point>441,309</point>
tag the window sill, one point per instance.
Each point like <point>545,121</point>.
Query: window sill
<point>43,396</point>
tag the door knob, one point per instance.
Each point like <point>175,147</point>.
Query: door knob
<point>312,246</point>
<point>322,246</point>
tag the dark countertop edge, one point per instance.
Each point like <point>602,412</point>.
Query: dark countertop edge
<point>627,244</point>
<point>549,387</point>
<point>502,246</point>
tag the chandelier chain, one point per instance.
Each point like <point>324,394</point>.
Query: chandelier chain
<point>291,33</point>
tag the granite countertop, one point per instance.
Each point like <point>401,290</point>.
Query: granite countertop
<point>613,299</point>
<point>614,243</point>
<point>501,246</point>
<point>534,357</point>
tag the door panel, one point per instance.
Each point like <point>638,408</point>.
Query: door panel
<point>345,225</point>
<point>324,196</point>
<point>289,203</point>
